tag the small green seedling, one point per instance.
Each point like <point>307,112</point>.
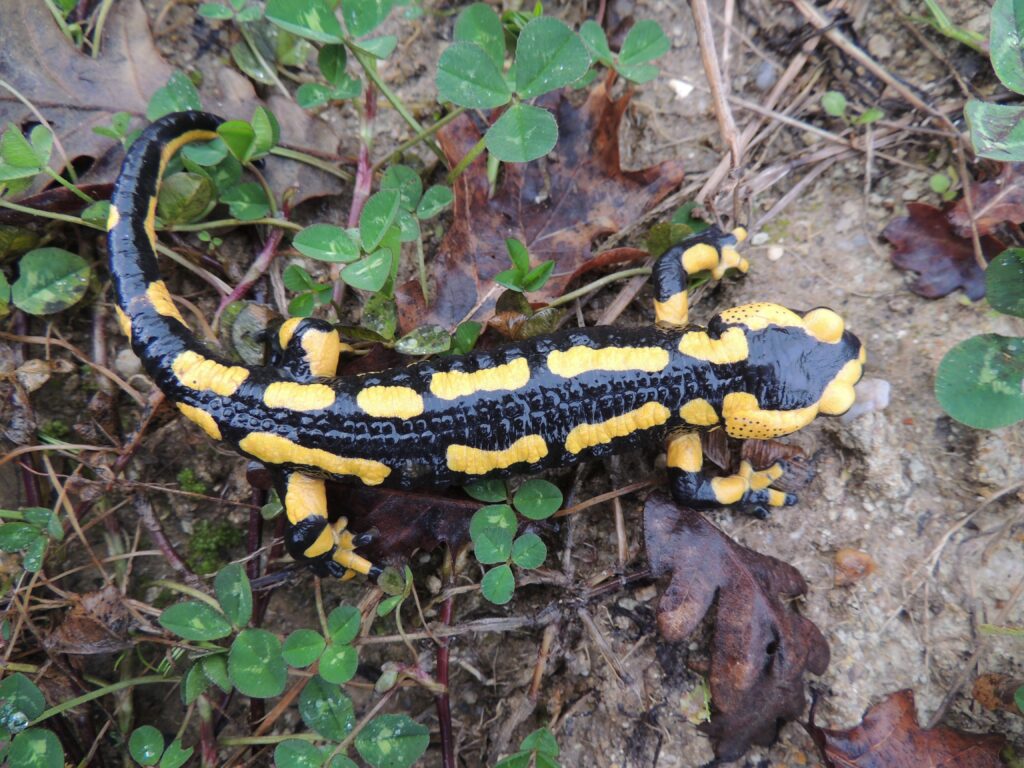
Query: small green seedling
<point>522,277</point>
<point>29,532</point>
<point>834,103</point>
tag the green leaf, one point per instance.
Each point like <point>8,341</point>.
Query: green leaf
<point>519,255</point>
<point>644,42</point>
<point>463,341</point>
<point>997,130</point>
<point>303,647</point>
<point>534,279</point>
<point>939,183</point>
<point>326,242</point>
<point>239,137</point>
<point>392,741</point>
<point>515,760</point>
<point>1006,49</point>
<point>511,279</point>
<point>49,280</point>
<point>386,606</point>
<point>523,133</point>
<point>434,200</point>
<point>195,683</point>
<point>549,56</point>
<point>363,16</point>
<point>980,381</point>
<point>498,584</point>
<point>20,695</point>
<point>834,103</point>
<point>407,182</point>
<point>479,24</point>
<point>1004,282</point>
<point>255,664</point>
<point>245,60</point>
<point>215,11</point>
<point>312,95</point>
<point>295,753</point>
<point>234,593</point>
<point>541,741</point>
<point>266,129</point>
<point>193,620</point>
<point>185,197</point>
<point>297,279</point>
<point>311,19</point>
<point>408,227</point>
<point>594,38</point>
<point>377,216</point>
<point>380,315</point>
<point>870,115</point>
<point>252,13</point>
<point>332,60</point>
<point>206,153</point>
<point>1018,698</point>
<point>467,76</point>
<point>348,88</point>
<point>246,202</point>
<point>326,710</point>
<point>487,490</point>
<point>17,151</point>
<point>343,624</point>
<point>176,755</point>
<point>32,559</point>
<point>15,537</point>
<point>492,530</point>
<point>179,95</point>
<point>145,745</point>
<point>215,669</point>
<point>371,273</point>
<point>5,295</point>
<point>36,748</point>
<point>379,47</point>
<point>338,663</point>
<point>529,551</point>
<point>639,73</point>
<point>537,499</point>
<point>425,340</point>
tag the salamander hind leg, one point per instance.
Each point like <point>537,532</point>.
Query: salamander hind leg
<point>327,547</point>
<point>711,251</point>
<point>691,484</point>
<point>306,348</point>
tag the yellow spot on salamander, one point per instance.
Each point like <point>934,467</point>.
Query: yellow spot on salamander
<point>305,497</point>
<point>455,384</point>
<point>149,223</point>
<point>322,348</point>
<point>274,449</point>
<point>178,142</point>
<point>685,453</point>
<point>202,418</point>
<point>728,490</point>
<point>113,219</point>
<point>731,347</point>
<point>390,402</point>
<point>323,543</point>
<point>740,233</point>
<point>839,394</point>
<point>674,311</point>
<point>287,330</point>
<point>200,373</point>
<point>162,302</point>
<point>824,325</point>
<point>700,258</point>
<point>577,360</point>
<point>588,435</point>
<point>298,397</point>
<point>476,461</point>
<point>760,315</point>
<point>124,322</point>
<point>745,419</point>
<point>699,412</point>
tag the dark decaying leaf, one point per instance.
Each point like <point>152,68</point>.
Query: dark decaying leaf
<point>889,737</point>
<point>556,206</point>
<point>403,522</point>
<point>760,647</point>
<point>995,201</point>
<point>998,692</point>
<point>924,241</point>
<point>726,454</point>
<point>98,622</point>
<point>76,92</point>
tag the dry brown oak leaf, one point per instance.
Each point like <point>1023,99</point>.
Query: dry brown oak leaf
<point>76,93</point>
<point>889,737</point>
<point>557,206</point>
<point>760,647</point>
<point>925,241</point>
<point>995,201</point>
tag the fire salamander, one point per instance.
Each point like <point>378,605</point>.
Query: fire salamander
<point>756,371</point>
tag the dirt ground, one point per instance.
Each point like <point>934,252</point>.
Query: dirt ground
<point>905,484</point>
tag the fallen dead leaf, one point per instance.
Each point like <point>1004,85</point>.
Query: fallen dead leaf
<point>924,241</point>
<point>889,737</point>
<point>557,207</point>
<point>98,622</point>
<point>996,692</point>
<point>852,565</point>
<point>760,647</point>
<point>996,201</point>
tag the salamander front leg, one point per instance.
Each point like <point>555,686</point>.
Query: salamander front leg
<point>692,486</point>
<point>307,348</point>
<point>711,251</point>
<point>328,548</point>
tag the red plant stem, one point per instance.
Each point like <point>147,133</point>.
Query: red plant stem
<point>256,269</point>
<point>364,177</point>
<point>207,738</point>
<point>444,710</point>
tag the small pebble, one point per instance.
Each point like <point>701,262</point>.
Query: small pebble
<point>775,252</point>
